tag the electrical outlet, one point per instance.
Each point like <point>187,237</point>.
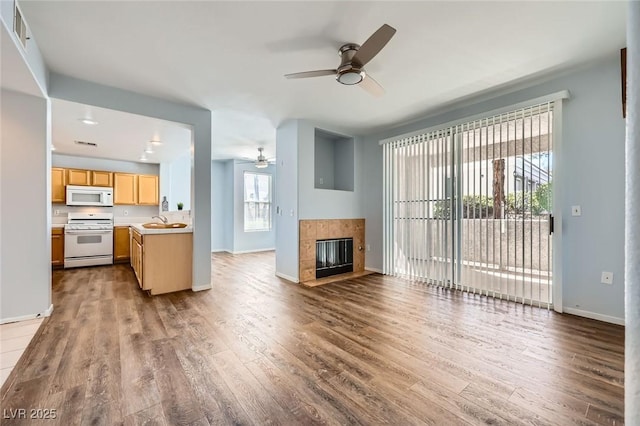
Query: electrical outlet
<point>321,181</point>
<point>576,211</point>
<point>607,277</point>
<point>126,212</point>
<point>368,247</point>
<point>56,212</point>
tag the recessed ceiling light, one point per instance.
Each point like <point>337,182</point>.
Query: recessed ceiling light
<point>155,142</point>
<point>143,157</point>
<point>149,149</point>
<point>53,148</point>
<point>88,121</point>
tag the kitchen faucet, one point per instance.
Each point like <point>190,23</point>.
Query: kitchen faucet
<point>162,218</point>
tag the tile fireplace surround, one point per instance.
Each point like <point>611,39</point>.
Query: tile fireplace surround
<point>314,230</point>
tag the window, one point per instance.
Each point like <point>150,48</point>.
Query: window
<point>257,202</point>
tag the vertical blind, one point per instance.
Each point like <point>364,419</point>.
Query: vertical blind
<point>468,206</point>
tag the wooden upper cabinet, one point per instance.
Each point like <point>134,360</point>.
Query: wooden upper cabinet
<point>58,181</point>
<point>99,178</point>
<point>148,190</point>
<point>125,188</point>
<point>78,177</point>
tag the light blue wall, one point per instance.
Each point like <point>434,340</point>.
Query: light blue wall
<point>286,217</point>
<point>321,203</point>
<point>75,90</point>
<point>32,55</point>
<point>590,163</point>
<point>324,157</point>
<point>73,161</point>
<point>343,158</point>
<point>25,206</point>
<point>180,183</point>
<point>249,241</point>
<point>219,206</point>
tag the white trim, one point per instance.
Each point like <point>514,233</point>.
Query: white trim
<point>373,270</point>
<point>220,250</point>
<point>48,312</point>
<point>43,314</point>
<point>595,316</point>
<point>287,277</point>
<point>201,287</point>
<point>252,251</point>
<point>563,94</point>
<point>556,196</point>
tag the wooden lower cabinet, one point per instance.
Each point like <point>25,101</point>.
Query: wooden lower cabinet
<point>162,262</point>
<point>57,247</point>
<point>121,247</point>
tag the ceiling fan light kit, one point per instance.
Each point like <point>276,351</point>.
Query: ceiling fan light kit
<point>262,161</point>
<point>353,58</point>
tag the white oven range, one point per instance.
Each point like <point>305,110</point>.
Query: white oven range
<point>88,239</point>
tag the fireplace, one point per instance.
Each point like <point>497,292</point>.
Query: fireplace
<point>334,256</point>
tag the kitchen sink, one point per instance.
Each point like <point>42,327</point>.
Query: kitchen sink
<point>156,225</point>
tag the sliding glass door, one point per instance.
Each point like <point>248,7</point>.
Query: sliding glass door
<point>469,206</point>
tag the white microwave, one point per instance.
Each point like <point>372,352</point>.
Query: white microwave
<point>89,196</point>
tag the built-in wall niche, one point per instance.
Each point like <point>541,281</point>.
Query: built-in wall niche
<point>333,161</point>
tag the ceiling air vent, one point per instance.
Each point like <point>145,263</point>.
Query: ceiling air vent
<point>20,27</point>
<point>92,144</point>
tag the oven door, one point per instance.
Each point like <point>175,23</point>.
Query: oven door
<point>87,243</point>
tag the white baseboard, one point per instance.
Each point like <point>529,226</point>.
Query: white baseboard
<point>287,277</point>
<point>373,270</point>
<point>46,313</point>
<point>201,287</point>
<point>252,251</point>
<point>594,315</point>
<point>219,251</point>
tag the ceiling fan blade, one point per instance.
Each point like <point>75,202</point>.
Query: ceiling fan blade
<point>373,45</point>
<point>372,86</point>
<point>308,74</point>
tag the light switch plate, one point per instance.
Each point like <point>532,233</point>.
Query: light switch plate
<point>576,211</point>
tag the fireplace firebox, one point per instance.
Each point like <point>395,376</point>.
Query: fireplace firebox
<point>334,256</point>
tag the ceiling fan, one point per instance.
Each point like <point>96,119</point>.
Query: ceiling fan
<point>262,161</point>
<point>354,58</point>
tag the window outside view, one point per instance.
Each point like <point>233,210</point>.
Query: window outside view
<point>257,202</point>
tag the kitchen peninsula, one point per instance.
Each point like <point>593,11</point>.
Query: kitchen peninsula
<point>162,259</point>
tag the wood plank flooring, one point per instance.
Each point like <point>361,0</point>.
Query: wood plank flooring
<point>259,350</point>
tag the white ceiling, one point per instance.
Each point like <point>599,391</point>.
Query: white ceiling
<point>230,57</point>
<point>119,135</point>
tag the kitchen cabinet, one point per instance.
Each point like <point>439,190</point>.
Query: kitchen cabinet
<point>121,248</point>
<point>148,190</point>
<point>78,177</point>
<point>57,247</point>
<point>125,188</point>
<point>137,256</point>
<point>101,178</point>
<point>162,262</point>
<point>58,182</point>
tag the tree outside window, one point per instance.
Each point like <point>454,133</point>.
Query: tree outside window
<point>257,201</point>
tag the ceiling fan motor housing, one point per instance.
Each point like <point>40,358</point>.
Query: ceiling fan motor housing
<point>349,73</point>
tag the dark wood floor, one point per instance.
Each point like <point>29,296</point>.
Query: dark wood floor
<point>259,350</point>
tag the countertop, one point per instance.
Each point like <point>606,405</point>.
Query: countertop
<point>144,231</point>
